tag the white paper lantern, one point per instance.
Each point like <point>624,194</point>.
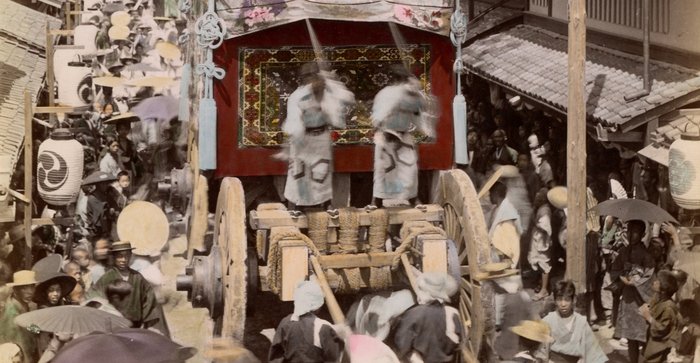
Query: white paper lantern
<point>684,169</point>
<point>73,77</point>
<point>59,171</point>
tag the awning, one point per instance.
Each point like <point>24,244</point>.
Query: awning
<point>533,62</point>
<point>244,17</point>
<point>655,152</point>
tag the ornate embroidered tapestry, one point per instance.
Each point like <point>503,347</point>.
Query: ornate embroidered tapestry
<point>268,76</point>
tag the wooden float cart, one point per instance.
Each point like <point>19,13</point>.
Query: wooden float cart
<point>254,243</point>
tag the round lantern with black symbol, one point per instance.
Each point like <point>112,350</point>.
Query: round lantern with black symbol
<point>59,169</point>
<point>684,167</point>
<point>74,78</point>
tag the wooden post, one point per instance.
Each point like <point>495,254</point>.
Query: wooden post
<point>50,82</point>
<point>331,303</point>
<point>28,172</point>
<point>576,148</point>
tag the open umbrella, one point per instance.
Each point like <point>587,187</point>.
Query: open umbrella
<point>159,108</point>
<point>71,319</point>
<point>123,346</point>
<point>48,266</point>
<point>631,209</point>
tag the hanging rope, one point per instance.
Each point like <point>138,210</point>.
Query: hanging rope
<point>379,222</point>
<point>409,232</point>
<point>275,256</point>
<point>349,221</point>
<point>318,229</point>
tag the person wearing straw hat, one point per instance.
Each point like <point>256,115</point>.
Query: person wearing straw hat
<point>140,306</point>
<point>99,218</point>
<point>398,108</point>
<point>430,331</point>
<point>302,336</point>
<point>534,337</point>
<point>505,227</point>
<point>574,340</point>
<point>23,287</point>
<point>53,290</point>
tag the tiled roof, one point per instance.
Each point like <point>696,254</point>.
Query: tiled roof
<point>665,135</point>
<point>22,66</point>
<point>534,61</point>
<point>22,23</point>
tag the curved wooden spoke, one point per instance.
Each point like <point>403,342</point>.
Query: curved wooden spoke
<point>230,234</point>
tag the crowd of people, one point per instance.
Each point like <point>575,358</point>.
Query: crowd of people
<point>135,66</point>
<point>634,281</point>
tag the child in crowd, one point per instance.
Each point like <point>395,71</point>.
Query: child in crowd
<point>688,347</point>
<point>574,340</point>
<point>81,257</point>
<point>662,315</point>
<point>78,294</point>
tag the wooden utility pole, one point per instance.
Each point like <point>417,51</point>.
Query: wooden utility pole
<point>576,148</point>
<point>50,81</point>
<point>28,172</point>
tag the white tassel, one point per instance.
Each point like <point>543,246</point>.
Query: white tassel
<point>207,134</point>
<point>459,114</point>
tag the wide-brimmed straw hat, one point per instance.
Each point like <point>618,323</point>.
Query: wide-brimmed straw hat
<point>108,81</point>
<point>117,118</point>
<point>23,278</point>
<point>154,81</point>
<point>146,226</point>
<point>494,270</point>
<point>118,32</point>
<point>168,50</point>
<point>558,197</point>
<point>536,330</point>
<point>120,18</point>
<point>99,177</point>
<point>433,286</point>
<point>66,282</point>
<point>120,246</point>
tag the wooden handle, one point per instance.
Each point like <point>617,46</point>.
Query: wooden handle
<point>333,307</point>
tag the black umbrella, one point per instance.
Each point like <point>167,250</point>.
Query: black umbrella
<point>631,209</point>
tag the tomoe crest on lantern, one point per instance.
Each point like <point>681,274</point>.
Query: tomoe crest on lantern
<point>59,168</point>
<point>684,168</point>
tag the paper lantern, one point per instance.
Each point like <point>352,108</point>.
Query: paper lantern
<point>59,169</point>
<point>74,78</point>
<point>684,169</point>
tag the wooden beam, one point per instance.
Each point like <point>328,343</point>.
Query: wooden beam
<point>576,147</point>
<point>55,109</point>
<point>373,259</point>
<point>50,81</point>
<point>28,174</point>
<point>267,219</point>
<point>63,32</point>
<point>409,273</point>
<point>629,136</point>
<point>332,304</point>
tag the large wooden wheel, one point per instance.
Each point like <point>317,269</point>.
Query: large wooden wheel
<point>230,238</point>
<point>465,225</point>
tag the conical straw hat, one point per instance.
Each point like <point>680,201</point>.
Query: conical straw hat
<point>118,32</point>
<point>108,81</point>
<point>168,50</point>
<point>557,196</point>
<point>120,18</point>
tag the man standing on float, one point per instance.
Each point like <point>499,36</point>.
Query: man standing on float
<point>398,109</point>
<point>317,104</point>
